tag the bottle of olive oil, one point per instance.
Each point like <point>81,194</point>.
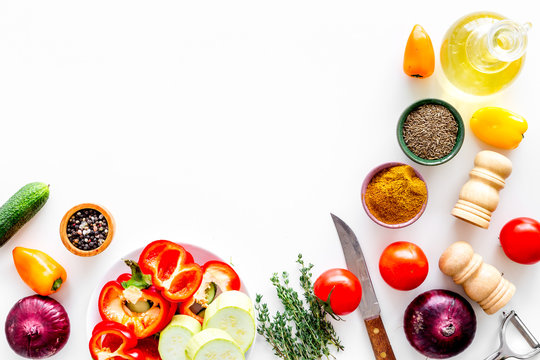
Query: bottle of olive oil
<point>483,52</point>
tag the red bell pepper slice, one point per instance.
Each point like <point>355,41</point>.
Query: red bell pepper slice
<point>224,279</point>
<point>115,297</point>
<point>149,347</point>
<point>111,340</point>
<point>171,271</point>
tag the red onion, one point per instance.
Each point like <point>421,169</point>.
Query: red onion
<point>439,324</point>
<point>37,327</point>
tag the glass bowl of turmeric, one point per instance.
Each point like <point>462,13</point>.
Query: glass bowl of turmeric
<point>394,195</point>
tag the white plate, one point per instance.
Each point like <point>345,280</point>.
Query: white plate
<point>200,256</point>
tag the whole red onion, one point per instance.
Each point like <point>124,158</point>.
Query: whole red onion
<point>37,327</point>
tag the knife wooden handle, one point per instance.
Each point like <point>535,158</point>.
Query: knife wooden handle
<point>379,340</point>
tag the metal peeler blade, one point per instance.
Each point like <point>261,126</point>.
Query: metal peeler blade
<point>504,351</point>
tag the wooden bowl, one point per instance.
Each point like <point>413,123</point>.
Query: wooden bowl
<point>63,229</point>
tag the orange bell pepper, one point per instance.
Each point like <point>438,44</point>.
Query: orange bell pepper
<point>419,59</point>
<point>38,270</point>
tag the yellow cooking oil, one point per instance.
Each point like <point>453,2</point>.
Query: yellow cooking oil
<point>483,52</point>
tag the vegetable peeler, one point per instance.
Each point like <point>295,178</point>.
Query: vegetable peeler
<point>504,351</point>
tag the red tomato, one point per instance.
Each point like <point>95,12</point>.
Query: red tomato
<point>520,240</point>
<point>339,289</point>
<point>403,265</point>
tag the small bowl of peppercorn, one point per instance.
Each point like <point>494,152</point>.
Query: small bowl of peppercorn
<point>87,229</point>
<point>430,132</point>
<point>394,195</point>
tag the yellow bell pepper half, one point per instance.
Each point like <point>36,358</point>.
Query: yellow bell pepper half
<point>498,127</point>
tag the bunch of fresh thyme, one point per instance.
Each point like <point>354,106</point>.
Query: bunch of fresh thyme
<point>301,331</point>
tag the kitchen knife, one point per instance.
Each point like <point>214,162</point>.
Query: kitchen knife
<point>369,306</point>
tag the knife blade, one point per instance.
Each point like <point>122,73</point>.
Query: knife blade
<point>369,305</point>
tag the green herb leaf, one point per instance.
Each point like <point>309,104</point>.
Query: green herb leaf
<point>138,279</point>
<point>301,331</point>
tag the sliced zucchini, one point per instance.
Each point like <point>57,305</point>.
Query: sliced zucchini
<point>213,344</point>
<point>233,312</point>
<point>175,337</point>
<point>140,306</point>
<point>210,292</point>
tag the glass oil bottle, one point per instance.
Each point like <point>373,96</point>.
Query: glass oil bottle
<point>483,52</point>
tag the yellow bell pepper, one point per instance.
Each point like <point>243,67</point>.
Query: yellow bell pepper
<point>38,270</point>
<point>498,127</point>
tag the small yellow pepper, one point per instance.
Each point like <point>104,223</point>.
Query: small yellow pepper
<point>498,127</point>
<point>38,270</point>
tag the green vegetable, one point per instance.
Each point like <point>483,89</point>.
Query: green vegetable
<point>301,331</point>
<point>20,208</point>
<point>175,337</point>
<point>140,306</point>
<point>210,292</point>
<point>213,344</point>
<point>138,279</point>
<point>233,312</point>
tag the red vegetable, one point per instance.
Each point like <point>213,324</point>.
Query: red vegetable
<point>114,304</point>
<point>111,340</point>
<point>339,290</point>
<point>403,265</point>
<point>171,271</point>
<point>149,347</point>
<point>215,273</point>
<point>37,327</point>
<point>439,324</point>
<point>520,240</point>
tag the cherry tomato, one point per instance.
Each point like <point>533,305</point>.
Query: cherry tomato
<point>339,289</point>
<point>403,265</point>
<point>520,240</point>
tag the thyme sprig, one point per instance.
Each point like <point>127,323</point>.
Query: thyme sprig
<point>301,331</point>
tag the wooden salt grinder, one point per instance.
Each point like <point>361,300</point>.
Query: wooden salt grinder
<point>482,282</point>
<point>479,196</point>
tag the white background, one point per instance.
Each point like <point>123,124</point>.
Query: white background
<point>239,126</point>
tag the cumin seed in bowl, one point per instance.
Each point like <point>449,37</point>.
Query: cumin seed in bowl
<point>430,132</point>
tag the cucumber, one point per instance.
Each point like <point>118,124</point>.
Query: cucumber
<point>232,311</point>
<point>20,208</point>
<point>213,344</point>
<point>174,338</point>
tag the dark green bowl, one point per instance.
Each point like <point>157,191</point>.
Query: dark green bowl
<point>459,138</point>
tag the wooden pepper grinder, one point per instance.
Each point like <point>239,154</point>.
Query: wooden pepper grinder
<point>482,282</point>
<point>479,196</point>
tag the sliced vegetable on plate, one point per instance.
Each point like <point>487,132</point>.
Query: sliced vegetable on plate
<point>213,344</point>
<point>111,340</point>
<point>175,337</point>
<point>233,312</point>
<point>218,277</point>
<point>172,269</point>
<point>135,304</point>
